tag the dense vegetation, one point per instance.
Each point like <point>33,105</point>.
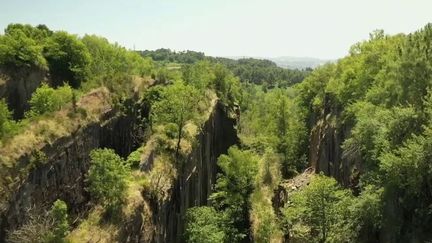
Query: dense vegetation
<point>380,92</point>
<point>374,106</point>
<point>72,62</point>
<point>255,71</point>
<point>107,178</point>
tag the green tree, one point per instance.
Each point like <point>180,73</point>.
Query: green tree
<point>233,189</point>
<point>46,99</point>
<point>226,85</point>
<point>178,105</point>
<point>407,171</point>
<point>19,50</point>
<point>68,59</point>
<point>110,60</point>
<point>200,74</point>
<point>274,120</point>
<point>38,33</point>
<point>318,212</point>
<point>107,178</point>
<point>60,217</point>
<point>204,225</point>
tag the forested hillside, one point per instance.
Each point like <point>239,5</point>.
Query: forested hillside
<point>103,144</point>
<point>361,125</point>
<point>254,71</point>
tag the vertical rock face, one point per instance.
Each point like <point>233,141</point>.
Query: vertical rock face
<point>325,152</point>
<point>195,184</point>
<point>17,86</point>
<point>62,175</point>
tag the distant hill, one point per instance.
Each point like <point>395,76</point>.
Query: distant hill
<point>298,62</point>
<point>259,71</point>
<point>290,62</point>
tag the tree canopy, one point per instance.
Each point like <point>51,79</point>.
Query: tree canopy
<point>106,177</point>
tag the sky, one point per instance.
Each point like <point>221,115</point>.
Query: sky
<point>260,28</point>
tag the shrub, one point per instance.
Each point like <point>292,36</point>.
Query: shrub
<point>46,99</point>
<point>68,59</point>
<point>7,125</point>
<point>204,225</point>
<point>17,49</point>
<point>233,189</point>
<point>134,158</point>
<point>46,227</point>
<point>320,212</point>
<point>60,218</point>
<point>107,178</point>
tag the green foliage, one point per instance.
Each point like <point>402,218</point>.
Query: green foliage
<point>46,99</point>
<point>166,55</point>
<point>60,217</point>
<point>200,74</point>
<point>407,172</point>
<point>110,60</point>
<point>273,120</point>
<point>265,225</point>
<point>7,125</point>
<point>366,214</point>
<point>233,188</point>
<point>226,85</point>
<point>268,226</point>
<point>177,105</point>
<point>106,177</point>
<point>204,225</point>
<point>248,70</point>
<point>39,33</point>
<point>206,75</point>
<point>311,91</point>
<point>45,227</point>
<point>319,212</point>
<point>134,158</point>
<point>379,129</point>
<point>68,59</point>
<point>263,72</point>
<point>5,117</point>
<point>18,48</point>
<point>381,90</point>
<point>228,221</point>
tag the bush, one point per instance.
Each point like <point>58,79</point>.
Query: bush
<point>17,49</point>
<point>7,125</point>
<point>233,189</point>
<point>320,212</point>
<point>46,99</point>
<point>107,178</point>
<point>204,225</point>
<point>134,158</point>
<point>68,59</point>
<point>60,217</point>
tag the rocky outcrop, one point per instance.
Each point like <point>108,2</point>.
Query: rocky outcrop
<point>195,184</point>
<point>61,174</point>
<point>325,147</point>
<point>17,86</point>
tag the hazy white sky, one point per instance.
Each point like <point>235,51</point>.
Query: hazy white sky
<point>267,28</point>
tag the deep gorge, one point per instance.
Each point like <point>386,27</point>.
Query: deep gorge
<point>101,143</point>
<point>62,176</point>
